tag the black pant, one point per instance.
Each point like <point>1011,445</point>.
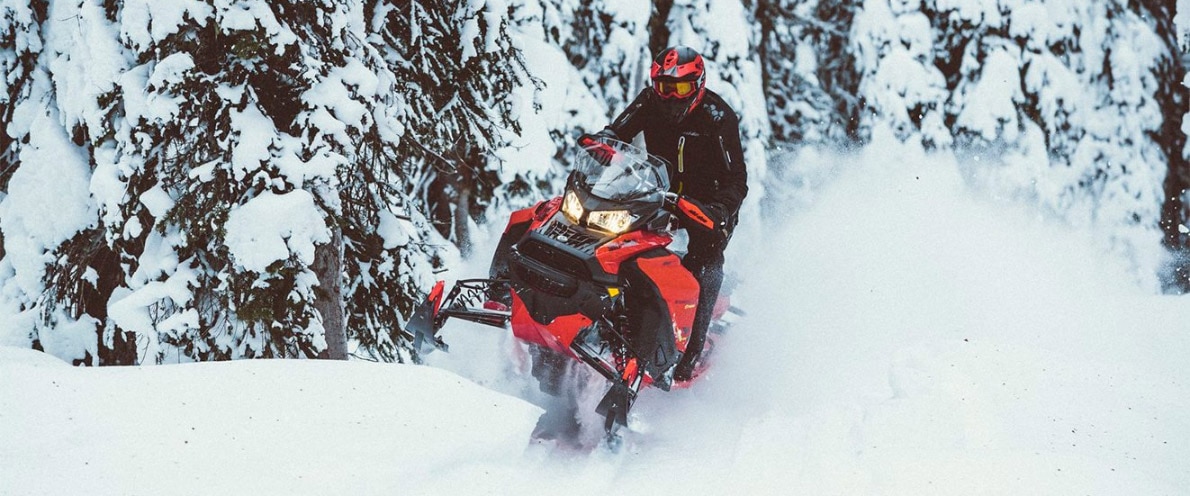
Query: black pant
<point>704,259</point>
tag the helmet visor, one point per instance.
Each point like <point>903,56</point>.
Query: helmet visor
<point>674,89</point>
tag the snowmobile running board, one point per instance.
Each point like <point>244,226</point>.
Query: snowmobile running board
<point>462,303</point>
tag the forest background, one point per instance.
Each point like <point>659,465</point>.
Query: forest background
<point>196,180</point>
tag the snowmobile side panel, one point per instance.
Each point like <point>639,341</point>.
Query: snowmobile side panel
<point>678,288</point>
<point>544,210</point>
<point>613,254</point>
<point>650,324</point>
<point>521,216</point>
<point>555,335</point>
<point>499,269</point>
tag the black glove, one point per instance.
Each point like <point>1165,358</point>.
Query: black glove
<point>709,217</point>
<point>685,367</point>
<point>717,213</point>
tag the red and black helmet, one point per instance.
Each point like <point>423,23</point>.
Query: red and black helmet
<point>679,79</point>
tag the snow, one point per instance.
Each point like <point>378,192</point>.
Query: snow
<point>394,231</point>
<point>995,97</point>
<point>335,92</point>
<point>1182,16</point>
<point>252,148</point>
<point>147,22</point>
<point>86,60</point>
<point>140,102</point>
<point>248,15</point>
<point>913,337</point>
<point>895,47</point>
<point>31,230</point>
<point>493,13</point>
<point>1082,71</point>
<point>271,227</point>
<point>250,427</point>
<point>564,101</point>
<point>157,201</point>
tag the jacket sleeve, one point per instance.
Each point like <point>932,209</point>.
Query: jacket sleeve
<point>734,186</point>
<point>631,121</point>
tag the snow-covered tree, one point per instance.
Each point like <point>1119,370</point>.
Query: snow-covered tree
<point>20,47</point>
<point>809,74</point>
<point>217,149</point>
<point>456,65</point>
<point>219,186</point>
<point>901,86</point>
<point>588,60</point>
<point>1174,99</point>
<point>1057,98</point>
<point>49,122</point>
<point>609,47</point>
<point>20,44</point>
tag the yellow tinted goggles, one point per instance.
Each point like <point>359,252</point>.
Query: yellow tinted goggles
<point>679,89</point>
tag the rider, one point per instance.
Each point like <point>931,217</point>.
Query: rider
<point>699,135</point>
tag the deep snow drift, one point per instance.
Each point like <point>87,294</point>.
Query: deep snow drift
<point>246,427</point>
<point>904,336</point>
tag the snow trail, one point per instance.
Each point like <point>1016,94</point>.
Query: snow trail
<point>243,427</point>
<point>904,336</point>
<point>907,336</point>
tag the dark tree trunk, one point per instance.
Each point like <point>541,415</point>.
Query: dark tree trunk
<point>1173,98</point>
<point>659,27</point>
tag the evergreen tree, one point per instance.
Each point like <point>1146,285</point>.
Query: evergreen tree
<point>201,121</point>
<point>609,47</point>
<point>599,70</point>
<point>456,64</point>
<point>809,74</point>
<point>1058,98</point>
<point>1173,99</point>
<point>50,162</point>
<point>810,86</point>
<point>901,87</point>
<point>20,44</point>
<point>223,128</point>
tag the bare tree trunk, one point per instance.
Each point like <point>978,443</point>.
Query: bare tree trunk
<point>328,265</point>
<point>462,219</point>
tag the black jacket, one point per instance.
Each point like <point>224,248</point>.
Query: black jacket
<point>704,153</point>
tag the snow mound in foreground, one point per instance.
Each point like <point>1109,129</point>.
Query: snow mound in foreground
<point>246,427</point>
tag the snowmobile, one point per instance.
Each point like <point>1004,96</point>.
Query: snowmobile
<point>588,276</point>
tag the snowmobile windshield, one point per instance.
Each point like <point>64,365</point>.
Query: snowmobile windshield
<point>620,172</point>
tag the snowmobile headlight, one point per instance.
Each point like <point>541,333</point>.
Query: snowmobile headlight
<point>613,221</point>
<point>572,207</point>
